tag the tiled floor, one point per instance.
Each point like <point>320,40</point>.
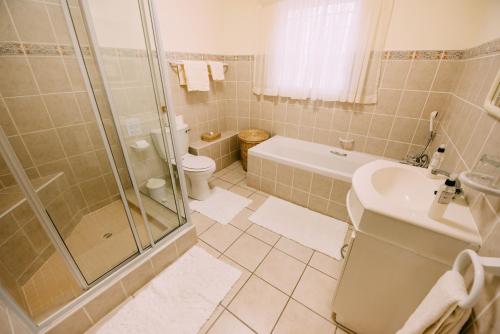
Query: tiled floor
<point>52,285</point>
<point>284,288</point>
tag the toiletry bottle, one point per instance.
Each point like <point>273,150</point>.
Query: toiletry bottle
<point>436,160</point>
<point>443,197</point>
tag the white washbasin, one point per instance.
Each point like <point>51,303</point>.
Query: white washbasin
<point>402,186</point>
<point>392,200</point>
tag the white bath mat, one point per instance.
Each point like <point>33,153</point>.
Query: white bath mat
<point>179,300</point>
<point>222,205</point>
<point>312,229</point>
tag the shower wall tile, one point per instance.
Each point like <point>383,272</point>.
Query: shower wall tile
<point>46,115</point>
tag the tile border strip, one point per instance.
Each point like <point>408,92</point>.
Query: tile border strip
<point>34,49</point>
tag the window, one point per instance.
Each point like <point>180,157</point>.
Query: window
<point>322,49</point>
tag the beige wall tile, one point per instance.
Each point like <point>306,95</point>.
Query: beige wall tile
<point>105,302</point>
<point>75,139</point>
<point>43,146</point>
<point>403,129</point>
<point>31,21</point>
<point>16,78</point>
<point>164,258</point>
<point>395,73</point>
<point>396,150</point>
<point>360,123</point>
<point>321,185</point>
<point>388,101</point>
<point>138,278</point>
<point>302,179</point>
<point>78,322</point>
<point>50,74</point>
<point>412,104</point>
<point>28,113</point>
<point>63,109</point>
<point>7,32</point>
<point>422,74</point>
<point>380,126</point>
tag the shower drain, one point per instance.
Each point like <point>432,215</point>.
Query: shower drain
<point>107,235</point>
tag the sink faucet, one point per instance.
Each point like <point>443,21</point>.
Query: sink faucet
<point>458,185</point>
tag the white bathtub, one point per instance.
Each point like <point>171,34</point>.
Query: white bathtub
<point>316,158</point>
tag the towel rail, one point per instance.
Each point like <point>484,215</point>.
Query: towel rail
<point>479,265</point>
<point>174,65</point>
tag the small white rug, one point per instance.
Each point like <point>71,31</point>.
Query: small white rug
<point>179,300</point>
<point>222,205</point>
<point>309,228</point>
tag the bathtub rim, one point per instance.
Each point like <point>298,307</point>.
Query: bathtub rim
<point>261,153</point>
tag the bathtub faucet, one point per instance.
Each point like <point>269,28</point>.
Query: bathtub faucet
<point>340,154</point>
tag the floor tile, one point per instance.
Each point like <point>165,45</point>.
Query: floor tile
<point>241,191</point>
<point>201,222</point>
<point>257,200</point>
<point>248,251</point>
<point>298,319</point>
<point>262,233</point>
<point>245,275</point>
<point>220,183</point>
<point>280,270</point>
<point>241,220</point>
<point>235,176</point>
<point>294,249</point>
<point>210,250</point>
<point>315,290</point>
<point>258,304</point>
<point>243,184</point>
<point>215,315</point>
<point>340,331</point>
<point>326,264</point>
<point>220,236</point>
<point>229,324</point>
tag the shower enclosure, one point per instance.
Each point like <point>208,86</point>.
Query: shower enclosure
<point>80,92</point>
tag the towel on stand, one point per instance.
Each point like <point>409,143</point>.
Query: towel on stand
<point>439,312</point>
<point>196,75</point>
<point>217,70</point>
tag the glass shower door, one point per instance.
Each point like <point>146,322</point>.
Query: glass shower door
<point>129,65</point>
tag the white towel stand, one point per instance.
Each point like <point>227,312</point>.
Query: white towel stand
<point>479,264</point>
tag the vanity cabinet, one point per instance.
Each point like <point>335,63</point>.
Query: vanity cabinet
<point>382,280</point>
<point>381,285</point>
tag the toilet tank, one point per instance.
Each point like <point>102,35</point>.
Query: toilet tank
<point>182,137</point>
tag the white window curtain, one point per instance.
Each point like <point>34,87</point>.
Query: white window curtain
<point>326,50</point>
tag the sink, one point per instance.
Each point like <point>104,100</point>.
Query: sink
<point>391,201</point>
<point>402,187</point>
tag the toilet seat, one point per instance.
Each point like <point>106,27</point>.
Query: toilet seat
<point>197,163</point>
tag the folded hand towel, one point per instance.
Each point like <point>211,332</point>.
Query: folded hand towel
<point>439,312</point>
<point>217,70</point>
<point>181,74</point>
<point>196,75</point>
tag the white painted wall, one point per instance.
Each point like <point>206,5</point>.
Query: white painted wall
<point>229,26</point>
<point>442,24</point>
<point>209,26</point>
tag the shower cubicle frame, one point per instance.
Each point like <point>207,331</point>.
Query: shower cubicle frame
<point>32,198</point>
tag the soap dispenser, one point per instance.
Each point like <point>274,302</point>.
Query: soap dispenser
<point>443,197</point>
<point>436,160</point>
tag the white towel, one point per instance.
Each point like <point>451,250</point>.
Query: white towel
<point>439,312</point>
<point>181,74</point>
<point>196,75</point>
<point>217,70</point>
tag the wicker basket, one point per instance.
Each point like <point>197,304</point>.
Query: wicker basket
<point>248,139</point>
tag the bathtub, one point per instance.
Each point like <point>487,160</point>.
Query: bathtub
<point>313,175</point>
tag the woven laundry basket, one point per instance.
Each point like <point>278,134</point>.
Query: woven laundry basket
<point>248,139</point>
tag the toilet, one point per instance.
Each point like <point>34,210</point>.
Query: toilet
<point>197,168</point>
